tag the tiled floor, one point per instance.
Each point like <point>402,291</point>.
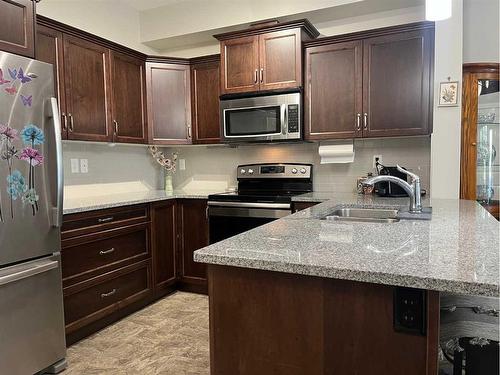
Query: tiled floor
<point>169,337</point>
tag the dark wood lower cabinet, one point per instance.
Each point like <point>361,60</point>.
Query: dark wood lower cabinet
<point>264,323</point>
<point>299,206</point>
<point>193,230</point>
<point>164,238</point>
<point>116,261</point>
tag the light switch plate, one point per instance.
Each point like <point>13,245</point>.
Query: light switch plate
<point>75,166</point>
<point>84,165</point>
<point>182,164</point>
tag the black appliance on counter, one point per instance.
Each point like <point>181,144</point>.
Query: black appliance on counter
<point>264,194</point>
<point>389,189</point>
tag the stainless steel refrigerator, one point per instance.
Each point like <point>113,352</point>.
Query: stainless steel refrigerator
<point>31,186</point>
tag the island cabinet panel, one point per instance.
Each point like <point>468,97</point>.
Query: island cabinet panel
<point>169,103</point>
<point>397,84</point>
<point>128,83</point>
<point>164,239</point>
<point>205,101</point>
<point>334,91</point>
<point>376,83</point>
<point>240,65</point>
<point>193,229</point>
<point>17,27</point>
<point>87,86</point>
<point>280,55</point>
<point>49,49</point>
<point>264,322</point>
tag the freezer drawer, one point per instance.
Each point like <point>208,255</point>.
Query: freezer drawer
<point>31,316</point>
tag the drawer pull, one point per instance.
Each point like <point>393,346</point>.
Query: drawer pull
<point>104,252</point>
<point>108,294</point>
<point>105,219</point>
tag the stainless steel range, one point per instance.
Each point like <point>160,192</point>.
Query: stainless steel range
<point>264,194</point>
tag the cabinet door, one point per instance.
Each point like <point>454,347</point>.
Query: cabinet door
<point>17,27</point>
<point>205,102</point>
<point>194,235</point>
<point>128,98</point>
<point>280,55</point>
<point>397,84</point>
<point>86,77</point>
<point>240,65</point>
<point>163,217</point>
<point>333,91</point>
<point>49,49</point>
<point>169,107</point>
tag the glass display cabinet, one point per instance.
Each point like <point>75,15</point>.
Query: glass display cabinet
<point>480,162</point>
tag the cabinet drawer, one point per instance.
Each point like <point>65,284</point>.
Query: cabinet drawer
<point>90,255</point>
<point>87,222</point>
<point>94,299</point>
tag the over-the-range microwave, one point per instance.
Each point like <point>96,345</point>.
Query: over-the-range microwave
<point>275,117</point>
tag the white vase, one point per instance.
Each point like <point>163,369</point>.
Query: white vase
<point>168,184</point>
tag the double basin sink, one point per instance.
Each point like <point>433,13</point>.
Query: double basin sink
<point>373,214</point>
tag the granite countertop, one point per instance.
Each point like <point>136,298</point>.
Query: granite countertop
<point>457,251</point>
<point>314,196</point>
<point>91,203</point>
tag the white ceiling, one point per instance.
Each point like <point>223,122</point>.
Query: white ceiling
<point>149,4</point>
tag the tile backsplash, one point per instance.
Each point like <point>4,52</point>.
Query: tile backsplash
<point>218,163</point>
<point>214,167</point>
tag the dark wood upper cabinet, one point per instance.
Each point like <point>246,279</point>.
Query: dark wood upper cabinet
<point>169,103</point>
<point>205,100</point>
<point>86,73</point>
<point>164,238</point>
<point>49,49</point>
<point>240,65</point>
<point>397,87</point>
<point>128,98</point>
<point>264,57</point>
<point>17,27</point>
<point>333,95</point>
<point>193,229</point>
<point>376,83</point>
<point>280,55</point>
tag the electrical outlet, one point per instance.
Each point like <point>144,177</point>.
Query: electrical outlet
<point>84,165</point>
<point>375,159</point>
<point>182,164</point>
<point>75,166</point>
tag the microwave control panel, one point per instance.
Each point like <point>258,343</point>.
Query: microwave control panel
<point>293,118</point>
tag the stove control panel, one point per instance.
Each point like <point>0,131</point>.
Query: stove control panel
<point>276,171</point>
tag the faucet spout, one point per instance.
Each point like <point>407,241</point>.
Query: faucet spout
<point>413,189</point>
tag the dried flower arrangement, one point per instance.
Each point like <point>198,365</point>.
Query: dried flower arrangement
<point>168,164</point>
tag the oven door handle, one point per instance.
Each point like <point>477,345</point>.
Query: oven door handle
<point>282,206</point>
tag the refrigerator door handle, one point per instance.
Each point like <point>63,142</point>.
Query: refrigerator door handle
<point>35,269</point>
<point>57,212</point>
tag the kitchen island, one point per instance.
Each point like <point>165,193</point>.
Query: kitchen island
<point>303,295</point>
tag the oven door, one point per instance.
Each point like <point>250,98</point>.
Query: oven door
<point>227,219</point>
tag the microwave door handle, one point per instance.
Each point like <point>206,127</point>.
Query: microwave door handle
<point>284,118</point>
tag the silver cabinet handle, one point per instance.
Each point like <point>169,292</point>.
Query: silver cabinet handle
<point>365,120</point>
<point>65,121</point>
<point>358,121</point>
<point>109,251</point>
<point>71,123</point>
<point>255,79</point>
<point>189,131</point>
<point>115,123</point>
<point>105,219</point>
<point>108,294</point>
<point>261,75</point>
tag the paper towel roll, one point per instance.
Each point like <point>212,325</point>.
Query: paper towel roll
<point>337,153</point>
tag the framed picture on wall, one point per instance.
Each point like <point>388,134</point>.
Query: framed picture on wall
<point>448,94</point>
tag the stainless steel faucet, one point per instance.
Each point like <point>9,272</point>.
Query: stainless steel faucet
<point>413,189</point>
